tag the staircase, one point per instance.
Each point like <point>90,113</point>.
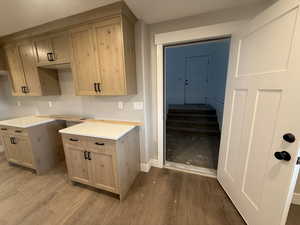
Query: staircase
<point>200,119</point>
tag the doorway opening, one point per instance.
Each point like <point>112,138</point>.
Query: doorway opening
<point>195,81</point>
<point>294,211</point>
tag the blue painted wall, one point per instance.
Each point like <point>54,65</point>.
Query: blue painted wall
<point>175,58</point>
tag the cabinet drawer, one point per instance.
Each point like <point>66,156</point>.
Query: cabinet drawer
<point>18,131</point>
<point>101,145</point>
<point>73,140</point>
<point>13,131</point>
<point>4,129</point>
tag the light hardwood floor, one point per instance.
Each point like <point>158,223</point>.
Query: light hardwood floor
<point>161,197</point>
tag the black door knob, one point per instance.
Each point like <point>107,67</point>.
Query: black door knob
<point>289,138</point>
<point>283,156</point>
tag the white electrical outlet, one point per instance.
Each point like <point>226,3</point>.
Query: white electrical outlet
<point>120,105</point>
<point>138,105</point>
<point>19,103</point>
<point>50,104</point>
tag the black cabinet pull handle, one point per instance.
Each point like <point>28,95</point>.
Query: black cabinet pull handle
<point>95,87</point>
<point>25,89</point>
<point>89,156</point>
<point>50,57</point>
<point>3,128</point>
<point>18,131</point>
<point>97,143</point>
<point>85,155</point>
<point>13,140</point>
<point>98,87</point>
<point>72,139</point>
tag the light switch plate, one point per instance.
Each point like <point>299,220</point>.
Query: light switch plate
<point>50,104</point>
<point>19,103</point>
<point>120,105</point>
<point>138,105</point>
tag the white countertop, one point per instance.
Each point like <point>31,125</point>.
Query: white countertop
<point>99,130</point>
<point>25,122</point>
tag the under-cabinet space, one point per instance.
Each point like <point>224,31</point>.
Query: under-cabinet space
<point>26,78</point>
<point>52,49</point>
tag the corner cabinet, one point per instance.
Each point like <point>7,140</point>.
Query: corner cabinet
<point>26,78</point>
<point>103,58</point>
<point>36,147</point>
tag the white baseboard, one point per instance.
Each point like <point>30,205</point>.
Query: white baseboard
<point>155,163</point>
<point>145,167</point>
<point>296,199</point>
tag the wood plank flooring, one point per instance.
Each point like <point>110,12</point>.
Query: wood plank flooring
<point>160,197</point>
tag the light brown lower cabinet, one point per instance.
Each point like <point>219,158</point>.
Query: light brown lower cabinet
<point>102,163</point>
<point>36,147</point>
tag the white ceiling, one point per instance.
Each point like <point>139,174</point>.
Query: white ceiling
<point>16,15</point>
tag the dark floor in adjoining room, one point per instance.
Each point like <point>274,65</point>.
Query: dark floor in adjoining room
<point>294,215</point>
<point>192,135</point>
<point>160,197</point>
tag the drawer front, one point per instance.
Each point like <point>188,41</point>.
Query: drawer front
<point>73,140</point>
<point>101,145</point>
<point>13,131</point>
<point>18,131</point>
<point>4,130</point>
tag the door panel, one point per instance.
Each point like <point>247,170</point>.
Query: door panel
<point>102,167</point>
<point>60,46</point>
<point>28,58</point>
<point>77,165</point>
<point>265,39</point>
<point>11,152</point>
<point>261,106</point>
<point>43,47</point>
<point>196,85</point>
<point>16,70</point>
<point>109,43</point>
<point>24,148</point>
<point>84,60</point>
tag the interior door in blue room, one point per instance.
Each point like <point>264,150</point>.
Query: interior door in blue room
<point>196,80</point>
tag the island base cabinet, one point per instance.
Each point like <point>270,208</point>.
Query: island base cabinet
<point>105,164</point>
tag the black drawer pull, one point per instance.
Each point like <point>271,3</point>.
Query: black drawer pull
<point>89,156</point>
<point>72,139</point>
<point>85,155</point>
<point>13,140</point>
<point>3,128</point>
<point>97,143</point>
<point>18,131</point>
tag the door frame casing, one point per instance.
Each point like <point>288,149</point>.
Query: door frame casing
<point>203,33</point>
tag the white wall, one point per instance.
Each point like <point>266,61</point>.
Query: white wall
<point>222,16</point>
<point>217,52</point>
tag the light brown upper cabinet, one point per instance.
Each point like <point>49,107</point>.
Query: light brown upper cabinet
<point>26,78</point>
<point>83,61</point>
<point>103,58</point>
<point>52,49</point>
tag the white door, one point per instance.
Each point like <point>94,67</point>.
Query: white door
<point>196,80</point>
<point>262,104</point>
